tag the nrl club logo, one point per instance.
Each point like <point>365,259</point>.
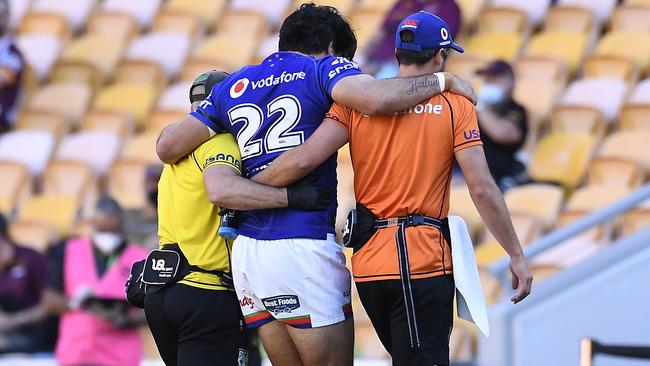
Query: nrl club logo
<point>281,304</point>
<point>239,87</point>
<point>413,24</point>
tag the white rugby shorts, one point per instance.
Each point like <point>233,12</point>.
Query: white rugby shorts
<point>301,282</point>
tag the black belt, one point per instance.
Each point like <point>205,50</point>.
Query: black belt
<point>404,270</point>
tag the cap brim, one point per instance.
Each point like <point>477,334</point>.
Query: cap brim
<point>457,47</point>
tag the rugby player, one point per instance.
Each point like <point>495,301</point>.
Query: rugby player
<point>289,273</point>
<point>403,165</point>
<point>198,318</point>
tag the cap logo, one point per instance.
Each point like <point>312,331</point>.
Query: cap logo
<point>239,87</point>
<point>411,23</point>
<point>444,33</point>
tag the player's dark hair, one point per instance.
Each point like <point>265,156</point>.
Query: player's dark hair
<point>311,29</point>
<point>408,57</point>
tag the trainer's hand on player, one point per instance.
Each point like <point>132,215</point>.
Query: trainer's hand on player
<point>522,279</point>
<point>459,86</point>
<point>305,195</point>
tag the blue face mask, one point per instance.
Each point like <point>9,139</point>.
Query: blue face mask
<point>490,94</point>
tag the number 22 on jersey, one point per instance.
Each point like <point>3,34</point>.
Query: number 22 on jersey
<point>277,136</point>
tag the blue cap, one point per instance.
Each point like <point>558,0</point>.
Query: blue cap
<point>430,32</point>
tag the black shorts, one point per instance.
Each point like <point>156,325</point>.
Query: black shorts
<point>433,299</point>
<point>194,326</point>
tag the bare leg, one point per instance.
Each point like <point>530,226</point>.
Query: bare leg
<point>332,345</point>
<point>279,345</point>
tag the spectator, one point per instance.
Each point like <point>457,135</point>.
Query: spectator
<point>86,285</point>
<point>382,58</point>
<point>503,124</point>
<point>11,71</point>
<point>22,279</point>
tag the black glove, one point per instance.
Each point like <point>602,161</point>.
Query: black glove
<point>305,195</point>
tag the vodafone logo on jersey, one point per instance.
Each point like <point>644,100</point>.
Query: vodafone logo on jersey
<point>239,87</point>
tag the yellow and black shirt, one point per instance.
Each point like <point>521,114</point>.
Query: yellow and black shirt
<point>187,217</point>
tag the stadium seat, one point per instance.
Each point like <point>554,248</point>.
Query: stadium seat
<point>637,2</point>
<point>140,72</point>
<point>115,122</point>
<point>604,94</point>
<point>30,148</point>
<point>71,179</point>
<point>113,24</point>
<point>366,25</point>
<point>226,51</point>
<point>44,121</point>
<point>490,45</point>
<point>143,11</point>
<point>15,186</point>
<point>469,11</point>
<point>635,220</point>
<point>568,47</point>
<point>50,24</point>
<point>149,46</point>
<point>503,20</point>
<point>542,201</point>
<point>195,66</point>
<point>602,9</point>
<point>634,46</point>
<point>126,182</point>
<point>274,10</point>
<point>561,158</point>
<point>527,227</point>
<point>95,148</point>
<point>628,145</point>
<point>268,46</point>
<point>256,25</point>
<point>466,68</point>
<point>102,51</point>
<point>614,171</point>
<point>175,97</point>
<point>635,117</point>
<point>75,11</point>
<point>33,234</point>
<point>631,18</point>
<point>141,148</point>
<point>40,52</point>
<point>578,119</point>
<point>159,119</point>
<point>461,204</point>
<point>610,66</point>
<point>77,72</point>
<point>208,10</point>
<point>541,68</point>
<point>641,93</point>
<point>373,5</point>
<point>17,10</point>
<point>530,72</point>
<point>135,100</point>
<point>40,209</point>
<point>593,197</point>
<point>70,100</point>
<point>535,10</point>
<point>180,22</point>
<point>570,19</point>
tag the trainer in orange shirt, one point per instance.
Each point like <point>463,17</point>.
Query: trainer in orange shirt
<point>403,167</point>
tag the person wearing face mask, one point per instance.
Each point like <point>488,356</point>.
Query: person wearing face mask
<point>12,65</point>
<point>85,286</point>
<point>503,124</point>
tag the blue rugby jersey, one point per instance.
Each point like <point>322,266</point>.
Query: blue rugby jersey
<point>270,108</point>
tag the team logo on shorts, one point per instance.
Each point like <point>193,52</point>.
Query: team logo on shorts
<point>281,304</point>
<point>239,87</point>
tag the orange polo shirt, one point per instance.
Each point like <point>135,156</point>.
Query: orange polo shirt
<point>403,165</point>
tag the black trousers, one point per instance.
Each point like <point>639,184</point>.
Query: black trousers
<point>193,326</point>
<point>433,299</point>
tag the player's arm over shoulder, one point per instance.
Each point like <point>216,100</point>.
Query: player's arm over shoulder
<point>221,149</point>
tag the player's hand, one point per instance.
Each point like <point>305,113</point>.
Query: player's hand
<point>459,86</point>
<point>305,195</point>
<point>522,279</point>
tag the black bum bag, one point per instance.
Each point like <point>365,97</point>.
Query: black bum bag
<point>163,268</point>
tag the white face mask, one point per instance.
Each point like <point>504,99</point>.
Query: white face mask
<point>107,242</point>
<point>490,94</point>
